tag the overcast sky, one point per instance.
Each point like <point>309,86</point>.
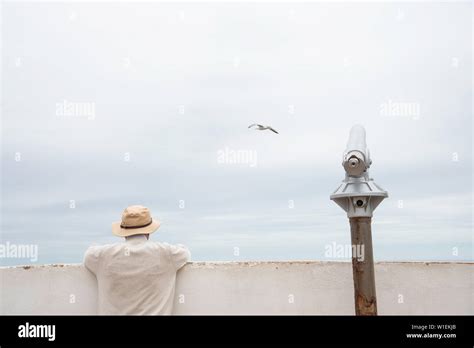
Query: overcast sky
<point>156,92</point>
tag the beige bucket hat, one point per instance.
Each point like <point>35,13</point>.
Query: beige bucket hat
<point>136,219</point>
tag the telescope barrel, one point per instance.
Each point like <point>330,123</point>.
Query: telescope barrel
<point>356,159</point>
<point>356,140</point>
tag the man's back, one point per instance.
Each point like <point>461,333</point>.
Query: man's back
<point>136,277</point>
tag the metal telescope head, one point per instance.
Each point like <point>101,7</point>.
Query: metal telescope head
<point>358,194</point>
<point>356,159</point>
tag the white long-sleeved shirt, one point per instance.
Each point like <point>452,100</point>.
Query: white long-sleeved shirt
<point>137,276</point>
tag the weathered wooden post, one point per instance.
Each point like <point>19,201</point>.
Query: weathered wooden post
<point>358,195</point>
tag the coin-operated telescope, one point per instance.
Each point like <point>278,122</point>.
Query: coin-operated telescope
<point>359,195</point>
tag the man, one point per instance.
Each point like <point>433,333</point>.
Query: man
<point>138,276</point>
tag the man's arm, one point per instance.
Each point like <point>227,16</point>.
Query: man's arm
<point>179,255</point>
<point>91,258</point>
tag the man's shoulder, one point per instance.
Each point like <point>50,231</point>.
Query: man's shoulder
<point>93,255</point>
<point>167,246</point>
<point>105,249</point>
<point>99,248</point>
<point>159,245</point>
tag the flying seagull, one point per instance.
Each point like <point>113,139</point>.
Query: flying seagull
<point>260,127</point>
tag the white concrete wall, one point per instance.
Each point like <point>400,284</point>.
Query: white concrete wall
<point>254,288</point>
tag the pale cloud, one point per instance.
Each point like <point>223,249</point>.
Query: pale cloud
<point>172,84</point>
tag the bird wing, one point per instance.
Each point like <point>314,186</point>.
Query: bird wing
<point>273,130</point>
<point>255,124</point>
